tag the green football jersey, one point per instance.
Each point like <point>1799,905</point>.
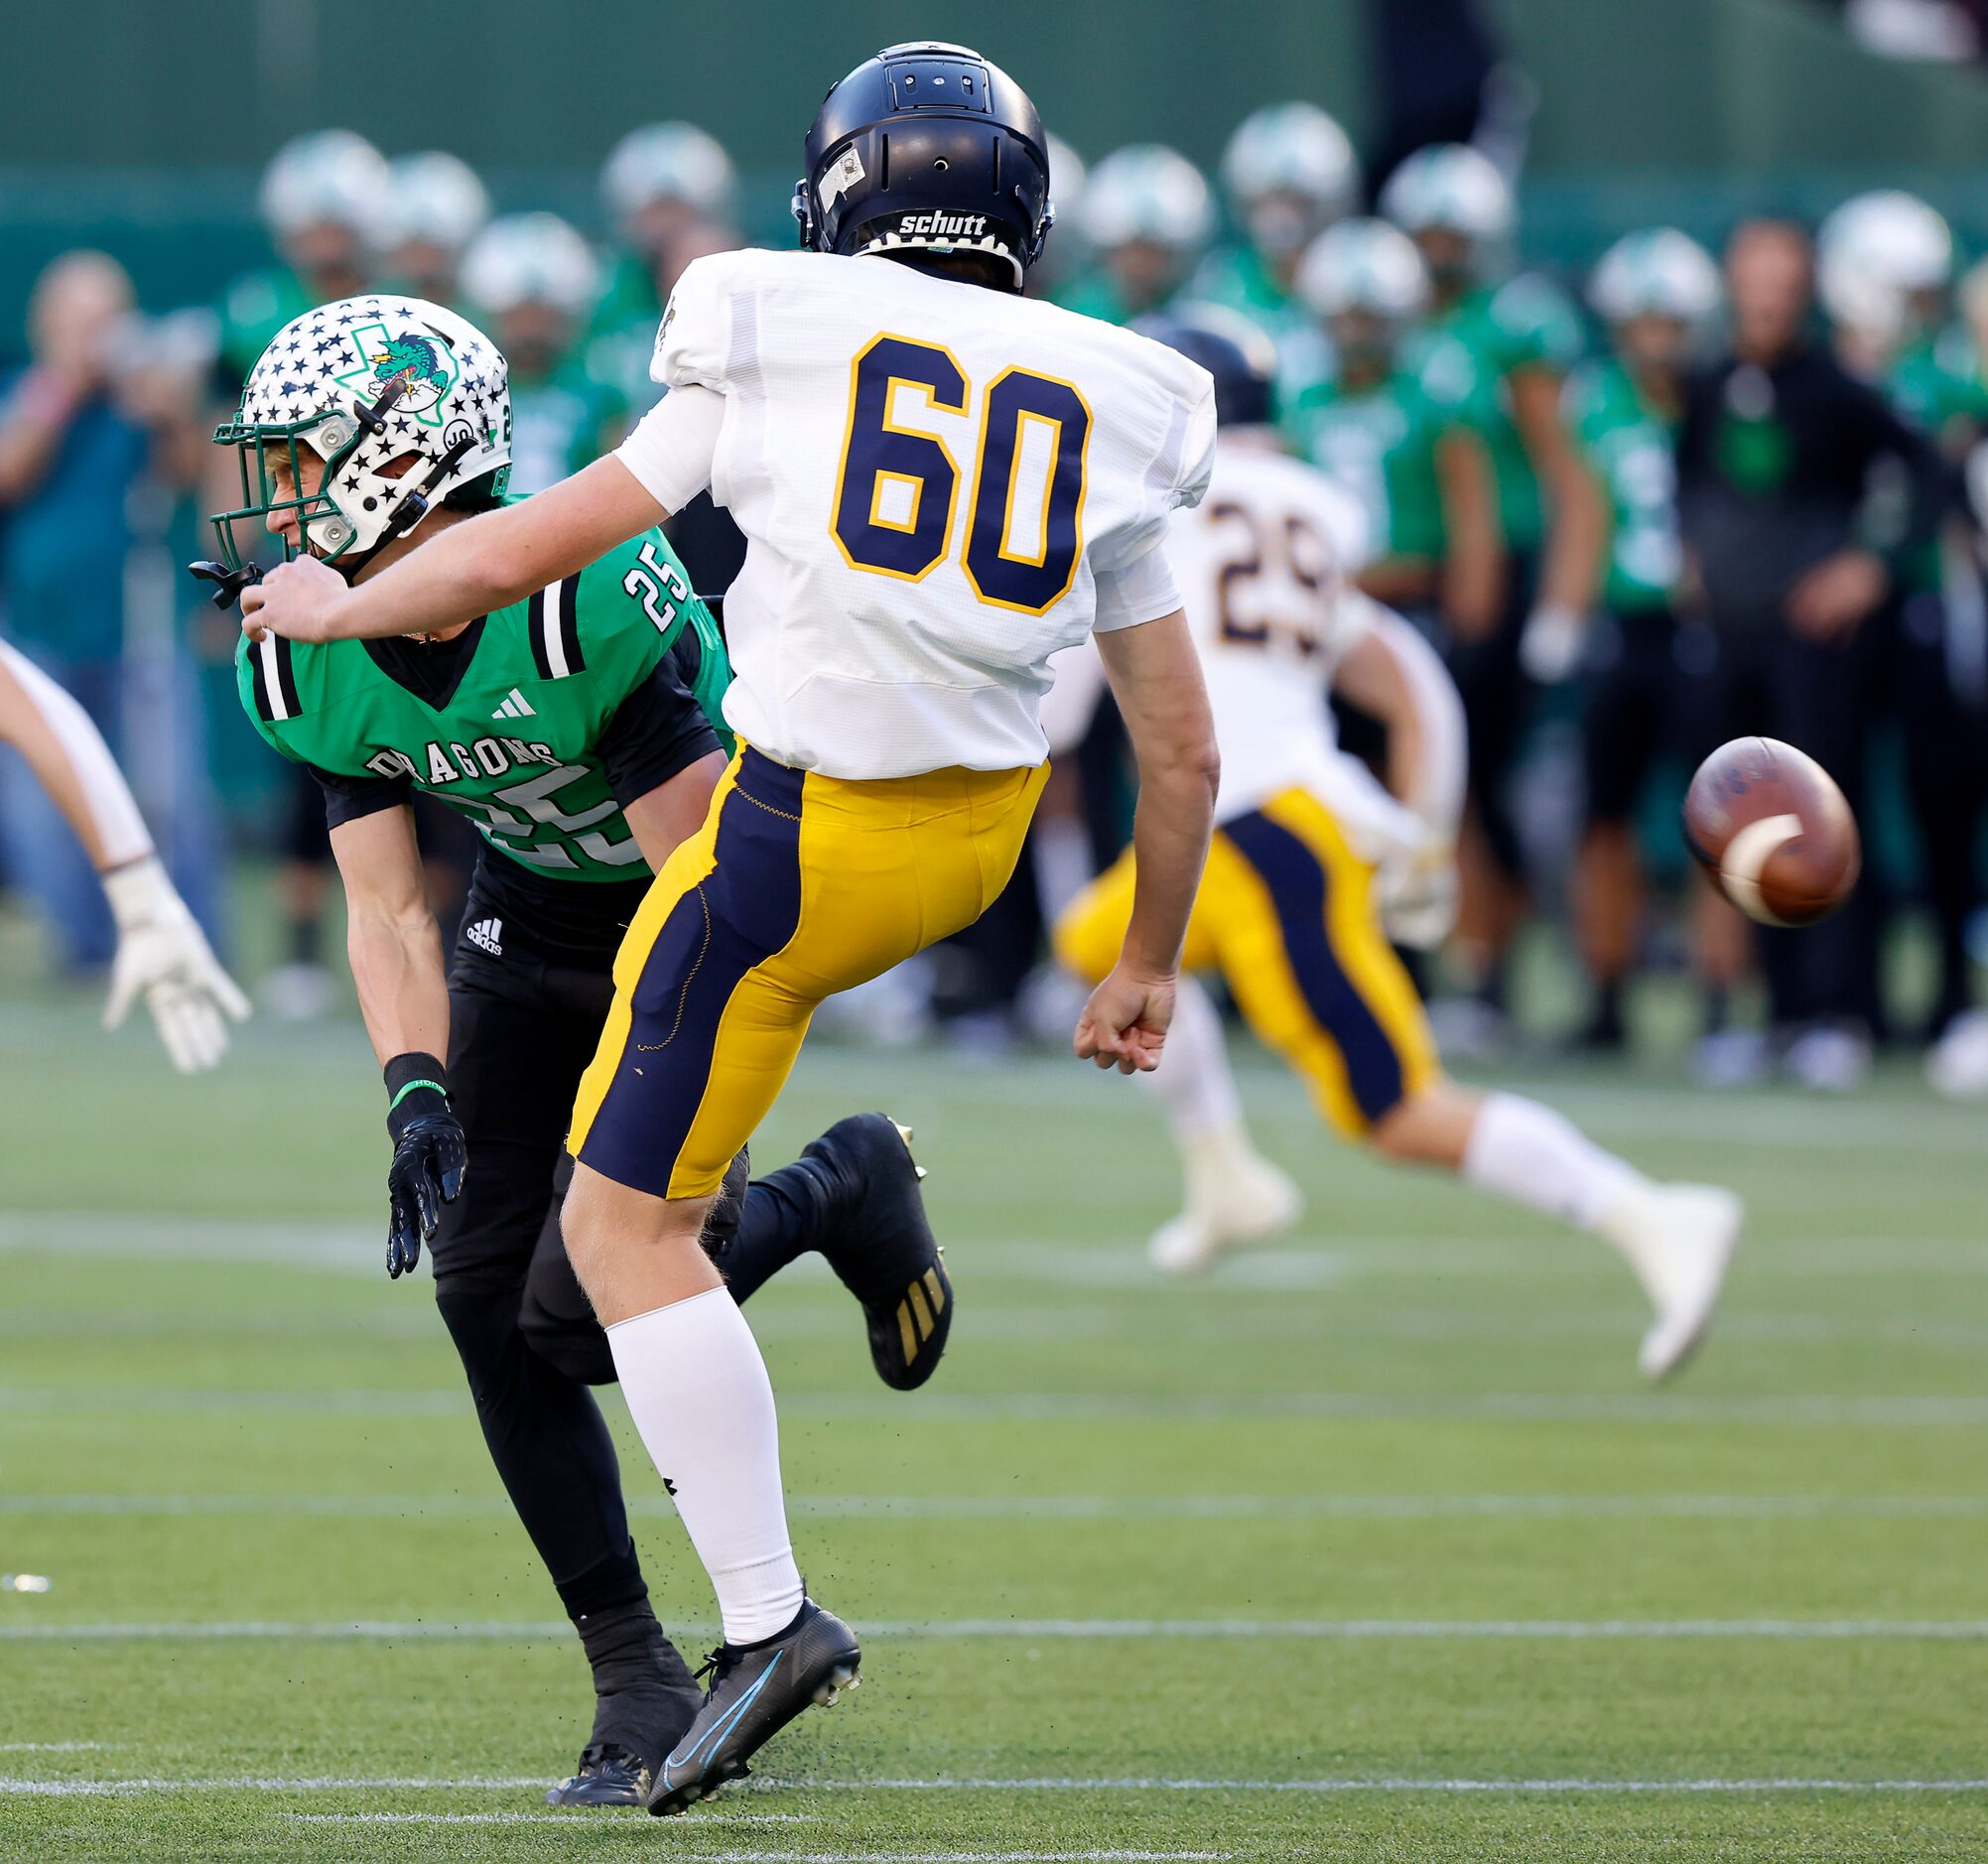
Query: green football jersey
<point>1524,323</point>
<point>620,334</point>
<point>1238,278</point>
<point>1631,448</point>
<point>1379,445</point>
<point>560,423</point>
<point>516,746</point>
<point>252,310</point>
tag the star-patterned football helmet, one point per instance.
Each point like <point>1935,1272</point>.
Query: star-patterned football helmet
<point>403,402</point>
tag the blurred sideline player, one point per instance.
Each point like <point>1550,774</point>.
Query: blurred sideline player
<point>930,518</point>
<point>323,202</point>
<point>1313,871</point>
<point>1522,337</point>
<point>571,729</point>
<point>1656,291</point>
<point>1380,431</point>
<point>532,278</point>
<point>433,205</point>
<point>162,954</point>
<point>1290,173</point>
<point>1145,215</point>
<point>1884,262</point>
<point>668,190</point>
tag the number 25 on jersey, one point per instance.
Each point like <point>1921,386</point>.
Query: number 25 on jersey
<point>898,487</point>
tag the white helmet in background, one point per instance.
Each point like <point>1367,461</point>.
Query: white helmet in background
<point>359,383</point>
<point>433,199</point>
<point>1874,254</point>
<point>667,162</point>
<point>1657,272</point>
<point>1283,155</point>
<point>530,258</point>
<point>1146,193</point>
<point>329,177</point>
<point>1364,265</point>
<point>1067,173</point>
<point>1451,187</point>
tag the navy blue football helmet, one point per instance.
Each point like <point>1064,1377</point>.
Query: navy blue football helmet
<point>1238,353</point>
<point>926,147</point>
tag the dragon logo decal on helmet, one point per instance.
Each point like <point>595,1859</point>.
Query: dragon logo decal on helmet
<point>927,147</point>
<point>360,417</point>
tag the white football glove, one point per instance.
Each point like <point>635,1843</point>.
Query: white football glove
<point>164,956</point>
<point>1415,890</point>
<point>1550,650</point>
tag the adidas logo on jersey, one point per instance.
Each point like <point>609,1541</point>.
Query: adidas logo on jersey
<point>517,705</point>
<point>944,226</point>
<point>488,935</point>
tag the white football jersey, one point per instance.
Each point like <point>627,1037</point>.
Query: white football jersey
<point>1262,567</point>
<point>940,485</point>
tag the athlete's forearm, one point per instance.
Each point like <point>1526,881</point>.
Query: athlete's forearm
<point>1156,679</point>
<point>1577,513</point>
<point>391,937</point>
<point>70,761</point>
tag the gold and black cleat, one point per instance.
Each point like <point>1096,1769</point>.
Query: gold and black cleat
<point>881,1247</point>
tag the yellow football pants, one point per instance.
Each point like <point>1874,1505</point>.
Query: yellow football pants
<point>1285,915</point>
<point>797,886</point>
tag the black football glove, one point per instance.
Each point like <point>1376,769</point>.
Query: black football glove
<point>430,1154</point>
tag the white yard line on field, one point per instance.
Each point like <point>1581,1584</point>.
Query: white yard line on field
<point>1882,1411</point>
<point>1073,1507</point>
<point>1300,1630</point>
<point>1386,1784</point>
<point>769,1857</point>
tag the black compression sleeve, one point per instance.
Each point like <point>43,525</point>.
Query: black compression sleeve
<point>417,1084</point>
<point>658,731</point>
<point>347,798</point>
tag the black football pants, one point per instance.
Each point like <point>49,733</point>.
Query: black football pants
<point>521,1033</point>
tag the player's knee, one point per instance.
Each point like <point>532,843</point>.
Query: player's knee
<point>567,1343</point>
<point>1427,1125</point>
<point>482,1316</point>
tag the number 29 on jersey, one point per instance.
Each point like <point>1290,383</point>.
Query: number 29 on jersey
<point>898,487</point>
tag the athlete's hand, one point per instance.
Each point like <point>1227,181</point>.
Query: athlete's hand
<point>426,1173</point>
<point>1416,892</point>
<point>299,599</point>
<point>1552,643</point>
<point>164,957</point>
<point>1124,1023</point>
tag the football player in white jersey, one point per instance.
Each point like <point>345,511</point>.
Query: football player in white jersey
<point>941,484</point>
<point>1317,872</point>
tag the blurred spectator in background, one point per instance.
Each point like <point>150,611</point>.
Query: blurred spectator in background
<point>1146,215</point>
<point>668,191</point>
<point>432,207</point>
<point>1519,336</point>
<point>530,280</point>
<point>1415,463</point>
<point>1064,252</point>
<point>1289,172</point>
<point>90,432</point>
<point>1656,291</point>
<point>1779,454</point>
<point>323,203</point>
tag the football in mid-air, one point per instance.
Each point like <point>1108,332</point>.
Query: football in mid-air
<point>1771,827</point>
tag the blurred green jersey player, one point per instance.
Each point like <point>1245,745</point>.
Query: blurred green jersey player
<point>1417,464</point>
<point>1145,215</point>
<point>531,278</point>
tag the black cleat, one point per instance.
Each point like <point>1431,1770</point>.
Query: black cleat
<point>608,1775</point>
<point>754,1693</point>
<point>883,1249</point>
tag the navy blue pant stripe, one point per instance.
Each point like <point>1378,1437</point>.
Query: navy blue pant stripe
<point>1300,887</point>
<point>745,910</point>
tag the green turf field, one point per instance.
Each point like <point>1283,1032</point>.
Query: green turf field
<point>1371,1546</point>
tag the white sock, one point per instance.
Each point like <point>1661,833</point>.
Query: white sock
<point>1193,1079</point>
<point>699,1394</point>
<point>1062,856</point>
<point>1534,1156</point>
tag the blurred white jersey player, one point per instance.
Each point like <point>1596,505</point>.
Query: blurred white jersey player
<point>1317,872</point>
<point>941,482</point>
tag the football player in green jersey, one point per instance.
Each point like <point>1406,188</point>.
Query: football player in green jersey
<point>434,206</point>
<point>1145,215</point>
<point>1883,263</point>
<point>1416,462</point>
<point>530,279</point>
<point>1522,337</point>
<point>579,731</point>
<point>1289,172</point>
<point>665,186</point>
<point>1656,291</point>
